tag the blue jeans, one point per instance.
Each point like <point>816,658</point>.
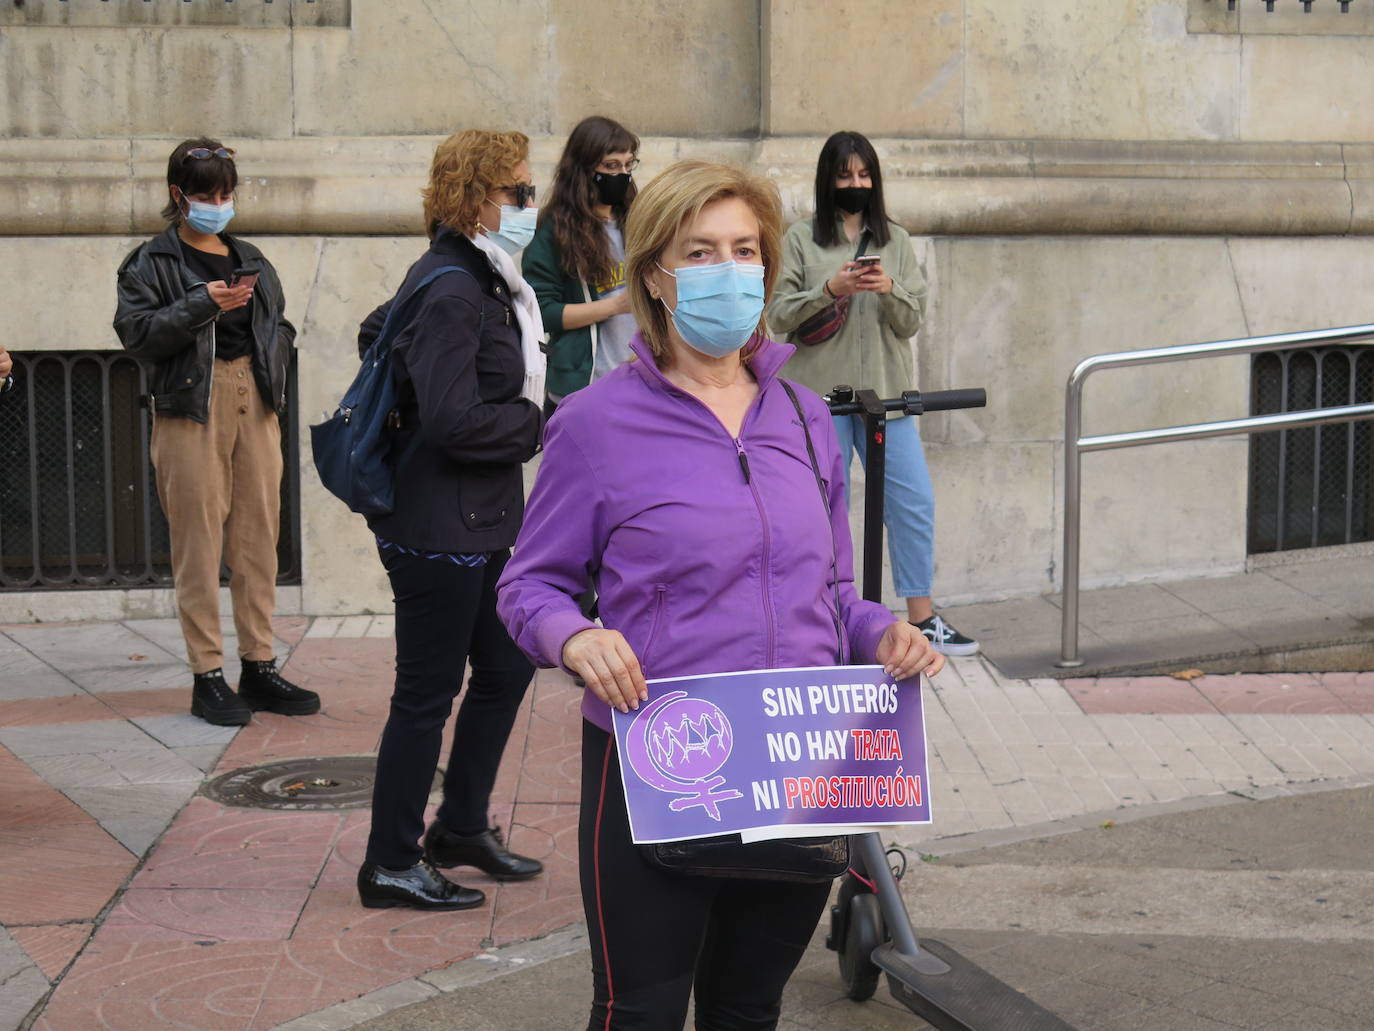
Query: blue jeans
<point>908,501</point>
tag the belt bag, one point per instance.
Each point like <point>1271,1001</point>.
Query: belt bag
<point>827,322</point>
<point>801,860</point>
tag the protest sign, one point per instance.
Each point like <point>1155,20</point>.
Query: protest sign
<point>783,750</point>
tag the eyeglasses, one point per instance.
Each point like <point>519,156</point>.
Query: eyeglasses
<point>201,153</point>
<point>524,193</point>
<point>616,167</point>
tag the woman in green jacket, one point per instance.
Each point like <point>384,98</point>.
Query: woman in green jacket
<point>576,261</point>
<point>823,260</point>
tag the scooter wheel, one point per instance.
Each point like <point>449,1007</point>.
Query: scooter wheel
<point>839,912</point>
<point>863,934</point>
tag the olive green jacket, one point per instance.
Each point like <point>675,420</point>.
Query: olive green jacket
<point>872,348</point>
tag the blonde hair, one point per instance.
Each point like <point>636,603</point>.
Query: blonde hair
<point>670,204</point>
<point>466,168</point>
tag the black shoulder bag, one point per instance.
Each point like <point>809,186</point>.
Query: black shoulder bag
<point>804,860</point>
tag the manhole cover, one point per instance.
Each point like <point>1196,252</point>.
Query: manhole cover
<point>333,782</point>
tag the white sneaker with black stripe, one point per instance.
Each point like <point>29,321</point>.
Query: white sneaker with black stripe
<point>945,639</point>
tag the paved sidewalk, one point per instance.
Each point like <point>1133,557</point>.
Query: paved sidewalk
<point>130,903</point>
<point>1294,610</point>
<point>1238,914</point>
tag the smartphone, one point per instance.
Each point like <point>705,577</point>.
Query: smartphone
<point>243,277</point>
<point>868,260</point>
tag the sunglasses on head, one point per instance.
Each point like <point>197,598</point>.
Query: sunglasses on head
<point>524,193</point>
<point>201,153</point>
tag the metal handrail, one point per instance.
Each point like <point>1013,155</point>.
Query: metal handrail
<point>1075,445</point>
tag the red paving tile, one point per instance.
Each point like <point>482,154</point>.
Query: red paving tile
<point>322,972</point>
<point>71,708</point>
<point>142,704</point>
<point>27,801</point>
<point>244,919</point>
<point>1356,690</point>
<point>1291,693</point>
<point>59,871</point>
<point>529,908</point>
<point>179,986</point>
<point>290,629</point>
<point>1144,695</point>
<point>52,947</point>
<point>550,770</point>
<point>215,846</point>
<point>513,759</point>
<point>349,847</point>
<point>202,914</point>
<point>318,662</point>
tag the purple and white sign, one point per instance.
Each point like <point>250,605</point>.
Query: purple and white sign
<point>773,752</point>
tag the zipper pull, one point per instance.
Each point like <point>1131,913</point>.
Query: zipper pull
<point>743,460</point>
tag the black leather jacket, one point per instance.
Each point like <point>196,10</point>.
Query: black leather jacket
<point>166,319</point>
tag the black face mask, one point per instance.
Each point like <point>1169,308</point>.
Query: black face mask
<point>611,189</point>
<point>852,199</point>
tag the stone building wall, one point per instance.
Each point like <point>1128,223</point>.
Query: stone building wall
<point>1081,178</point>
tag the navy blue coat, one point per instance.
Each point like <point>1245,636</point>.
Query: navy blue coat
<point>459,371</point>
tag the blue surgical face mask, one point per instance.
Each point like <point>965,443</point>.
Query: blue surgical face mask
<point>718,306</point>
<point>517,228</point>
<point>209,218</point>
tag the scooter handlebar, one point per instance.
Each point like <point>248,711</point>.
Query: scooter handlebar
<point>843,401</point>
<point>947,400</point>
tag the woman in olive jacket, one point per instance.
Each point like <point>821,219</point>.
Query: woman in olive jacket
<point>203,311</point>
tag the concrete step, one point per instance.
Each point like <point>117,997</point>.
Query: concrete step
<point>1290,615</point>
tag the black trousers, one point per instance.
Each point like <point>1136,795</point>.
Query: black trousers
<point>445,617</point>
<point>657,937</point>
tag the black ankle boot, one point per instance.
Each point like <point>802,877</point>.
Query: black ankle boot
<point>484,850</point>
<point>214,701</point>
<point>419,887</point>
<point>262,687</point>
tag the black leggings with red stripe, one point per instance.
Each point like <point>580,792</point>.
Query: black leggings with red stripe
<point>657,937</point>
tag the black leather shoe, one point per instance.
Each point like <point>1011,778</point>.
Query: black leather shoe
<point>484,850</point>
<point>214,701</point>
<point>419,887</point>
<point>262,687</point>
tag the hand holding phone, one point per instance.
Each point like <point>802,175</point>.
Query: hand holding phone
<point>871,277</point>
<point>244,277</point>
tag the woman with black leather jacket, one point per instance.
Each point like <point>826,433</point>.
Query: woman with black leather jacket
<point>469,375</point>
<point>203,311</point>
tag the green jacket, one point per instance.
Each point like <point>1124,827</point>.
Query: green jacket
<point>569,351</point>
<point>873,347</point>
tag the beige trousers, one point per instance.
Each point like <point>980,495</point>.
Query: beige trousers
<point>220,489</point>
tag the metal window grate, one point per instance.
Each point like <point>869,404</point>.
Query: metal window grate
<point>78,504</point>
<point>1311,487</point>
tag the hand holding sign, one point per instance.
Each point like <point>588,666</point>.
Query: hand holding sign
<point>904,651</point>
<point>605,660</point>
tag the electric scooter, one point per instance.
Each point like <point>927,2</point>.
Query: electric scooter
<point>869,925</point>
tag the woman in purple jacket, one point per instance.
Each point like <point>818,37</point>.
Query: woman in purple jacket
<point>680,484</point>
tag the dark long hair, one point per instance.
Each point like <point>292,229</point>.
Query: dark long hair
<point>197,175</point>
<point>578,233</point>
<point>834,159</point>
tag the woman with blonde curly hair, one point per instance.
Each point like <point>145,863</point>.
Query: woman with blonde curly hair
<point>470,381</point>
